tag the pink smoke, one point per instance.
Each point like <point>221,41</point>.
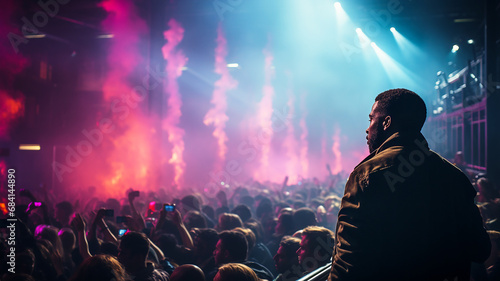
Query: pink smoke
<point>290,143</point>
<point>123,157</point>
<point>337,154</point>
<point>304,145</point>
<point>10,110</point>
<point>124,56</point>
<point>216,116</point>
<point>12,63</point>
<point>175,62</point>
<point>264,115</point>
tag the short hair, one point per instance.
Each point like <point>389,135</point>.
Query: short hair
<point>256,227</point>
<point>315,234</point>
<point>236,271</point>
<point>405,108</point>
<point>287,222</point>
<point>100,268</point>
<point>65,206</point>
<point>191,202</point>
<point>304,217</point>
<point>135,242</point>
<point>243,211</point>
<point>249,235</point>
<point>194,219</point>
<point>187,272</point>
<point>228,221</point>
<point>290,245</point>
<point>208,235</point>
<point>235,243</point>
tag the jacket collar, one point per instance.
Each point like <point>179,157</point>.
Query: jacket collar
<point>398,139</point>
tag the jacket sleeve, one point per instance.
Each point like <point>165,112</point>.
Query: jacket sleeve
<point>477,241</point>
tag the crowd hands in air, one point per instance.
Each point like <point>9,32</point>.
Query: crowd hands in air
<point>249,232</point>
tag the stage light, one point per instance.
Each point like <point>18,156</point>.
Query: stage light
<point>105,36</point>
<point>393,29</point>
<point>29,147</point>
<point>470,41</point>
<point>342,17</point>
<point>455,48</point>
<point>34,36</point>
<point>233,65</point>
<point>363,39</point>
<point>396,72</point>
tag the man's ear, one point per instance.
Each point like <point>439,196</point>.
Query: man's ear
<point>387,122</point>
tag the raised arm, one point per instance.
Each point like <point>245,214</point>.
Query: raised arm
<point>78,225</point>
<point>176,217</point>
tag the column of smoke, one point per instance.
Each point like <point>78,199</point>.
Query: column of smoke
<point>11,101</point>
<point>216,116</point>
<point>337,154</point>
<point>264,117</point>
<point>175,62</point>
<point>304,144</point>
<point>124,157</point>
<point>290,144</point>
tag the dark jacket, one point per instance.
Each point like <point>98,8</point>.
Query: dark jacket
<point>407,214</point>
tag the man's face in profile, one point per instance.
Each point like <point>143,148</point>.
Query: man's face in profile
<point>375,132</point>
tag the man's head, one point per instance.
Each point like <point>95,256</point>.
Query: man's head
<point>396,110</point>
<point>187,272</point>
<point>316,247</point>
<point>231,247</point>
<point>205,241</point>
<point>63,212</point>
<point>287,257</point>
<point>133,250</point>
<point>304,217</point>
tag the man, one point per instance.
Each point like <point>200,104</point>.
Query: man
<point>133,250</point>
<point>315,248</point>
<point>407,213</point>
<point>232,247</point>
<point>287,260</point>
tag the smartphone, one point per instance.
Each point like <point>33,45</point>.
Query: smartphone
<point>121,232</point>
<point>169,207</point>
<point>121,219</point>
<point>109,213</point>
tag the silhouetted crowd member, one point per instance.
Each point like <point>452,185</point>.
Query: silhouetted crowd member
<point>187,272</point>
<point>100,268</point>
<point>133,251</point>
<point>232,247</point>
<point>236,271</point>
<point>407,213</point>
<point>287,259</point>
<point>316,248</point>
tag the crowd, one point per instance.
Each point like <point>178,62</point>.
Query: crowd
<point>251,232</point>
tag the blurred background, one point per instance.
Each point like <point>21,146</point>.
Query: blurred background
<point>209,94</point>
